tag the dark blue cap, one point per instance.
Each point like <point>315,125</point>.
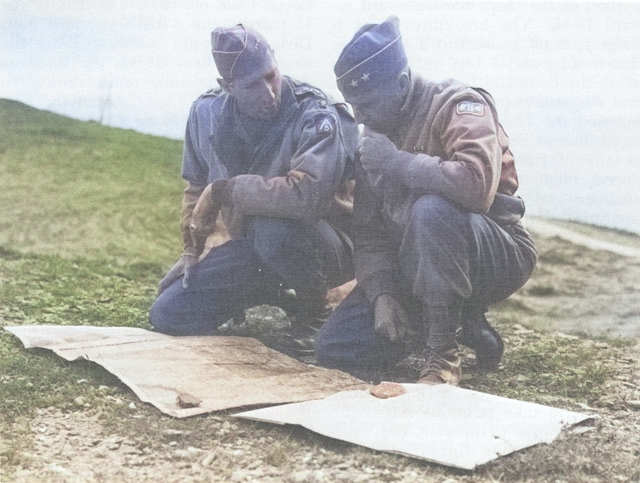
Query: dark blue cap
<point>374,55</point>
<point>239,51</point>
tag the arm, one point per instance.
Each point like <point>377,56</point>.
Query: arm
<point>195,171</point>
<point>467,173</point>
<point>470,171</point>
<point>376,253</point>
<point>306,191</point>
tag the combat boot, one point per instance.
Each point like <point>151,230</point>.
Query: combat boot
<point>443,361</point>
<point>307,314</point>
<point>478,335</point>
<point>443,364</point>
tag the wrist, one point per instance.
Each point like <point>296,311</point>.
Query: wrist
<point>190,251</point>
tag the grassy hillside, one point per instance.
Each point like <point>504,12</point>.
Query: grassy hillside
<point>79,188</point>
<point>88,225</point>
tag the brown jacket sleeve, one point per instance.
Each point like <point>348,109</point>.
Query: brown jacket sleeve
<point>191,195</point>
<point>468,170</point>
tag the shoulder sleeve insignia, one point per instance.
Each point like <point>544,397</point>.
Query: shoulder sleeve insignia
<point>468,107</point>
<point>325,125</point>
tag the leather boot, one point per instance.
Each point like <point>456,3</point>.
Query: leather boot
<point>478,335</point>
<point>443,363</point>
<point>308,313</point>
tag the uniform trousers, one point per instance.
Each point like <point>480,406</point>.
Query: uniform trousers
<point>446,255</point>
<point>277,254</point>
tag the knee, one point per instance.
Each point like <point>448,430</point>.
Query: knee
<point>347,339</point>
<point>276,240</point>
<point>435,217</point>
<point>433,208</point>
<point>169,314</point>
<point>162,314</point>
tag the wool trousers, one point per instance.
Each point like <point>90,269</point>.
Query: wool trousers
<point>446,256</point>
<point>276,255</point>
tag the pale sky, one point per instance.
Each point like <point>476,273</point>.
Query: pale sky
<point>565,75</point>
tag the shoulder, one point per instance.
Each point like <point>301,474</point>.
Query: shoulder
<point>211,94</point>
<point>464,100</point>
<point>315,107</point>
<point>302,90</point>
<point>310,97</point>
<point>211,97</point>
<point>208,103</point>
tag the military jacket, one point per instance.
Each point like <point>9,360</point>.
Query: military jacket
<point>451,144</point>
<point>300,168</point>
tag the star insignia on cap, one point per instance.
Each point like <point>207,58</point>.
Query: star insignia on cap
<point>365,77</point>
<point>354,83</point>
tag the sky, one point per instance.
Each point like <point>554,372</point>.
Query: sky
<point>565,75</point>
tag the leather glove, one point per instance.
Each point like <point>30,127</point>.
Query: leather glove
<point>205,213</point>
<point>378,155</point>
<point>390,318</point>
<point>182,267</point>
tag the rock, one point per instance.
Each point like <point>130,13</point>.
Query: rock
<point>634,405</point>
<point>239,475</point>
<point>186,400</point>
<point>301,476</point>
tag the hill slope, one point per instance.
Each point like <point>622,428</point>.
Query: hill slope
<point>75,187</point>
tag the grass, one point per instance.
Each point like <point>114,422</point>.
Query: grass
<point>89,225</point>
<point>79,188</point>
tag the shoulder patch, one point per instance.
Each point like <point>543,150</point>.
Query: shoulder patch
<point>325,125</point>
<point>468,107</point>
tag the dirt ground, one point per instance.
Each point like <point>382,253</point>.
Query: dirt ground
<point>76,447</point>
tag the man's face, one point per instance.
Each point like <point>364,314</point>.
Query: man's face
<point>259,95</point>
<point>379,108</point>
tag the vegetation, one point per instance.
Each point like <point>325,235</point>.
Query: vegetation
<point>89,225</point>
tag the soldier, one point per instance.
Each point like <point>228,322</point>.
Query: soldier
<point>274,157</point>
<point>437,229</point>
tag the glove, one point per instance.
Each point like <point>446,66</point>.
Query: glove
<point>390,318</point>
<point>182,267</point>
<point>205,213</point>
<point>377,153</point>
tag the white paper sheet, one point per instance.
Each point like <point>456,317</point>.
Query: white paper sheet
<point>442,424</point>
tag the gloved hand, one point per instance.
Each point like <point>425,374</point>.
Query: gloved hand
<point>378,155</point>
<point>390,318</point>
<point>182,267</point>
<point>205,213</point>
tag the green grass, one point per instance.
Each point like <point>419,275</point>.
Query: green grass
<point>79,188</point>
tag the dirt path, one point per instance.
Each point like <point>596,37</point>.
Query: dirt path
<point>548,229</point>
<point>609,301</point>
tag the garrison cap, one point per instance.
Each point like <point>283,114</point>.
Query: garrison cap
<point>239,51</point>
<point>373,56</point>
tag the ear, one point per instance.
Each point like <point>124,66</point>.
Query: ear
<point>404,81</point>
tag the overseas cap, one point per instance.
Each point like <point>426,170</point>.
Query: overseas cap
<point>239,51</point>
<point>373,56</point>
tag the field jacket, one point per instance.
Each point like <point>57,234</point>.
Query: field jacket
<point>451,145</point>
<point>301,169</point>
